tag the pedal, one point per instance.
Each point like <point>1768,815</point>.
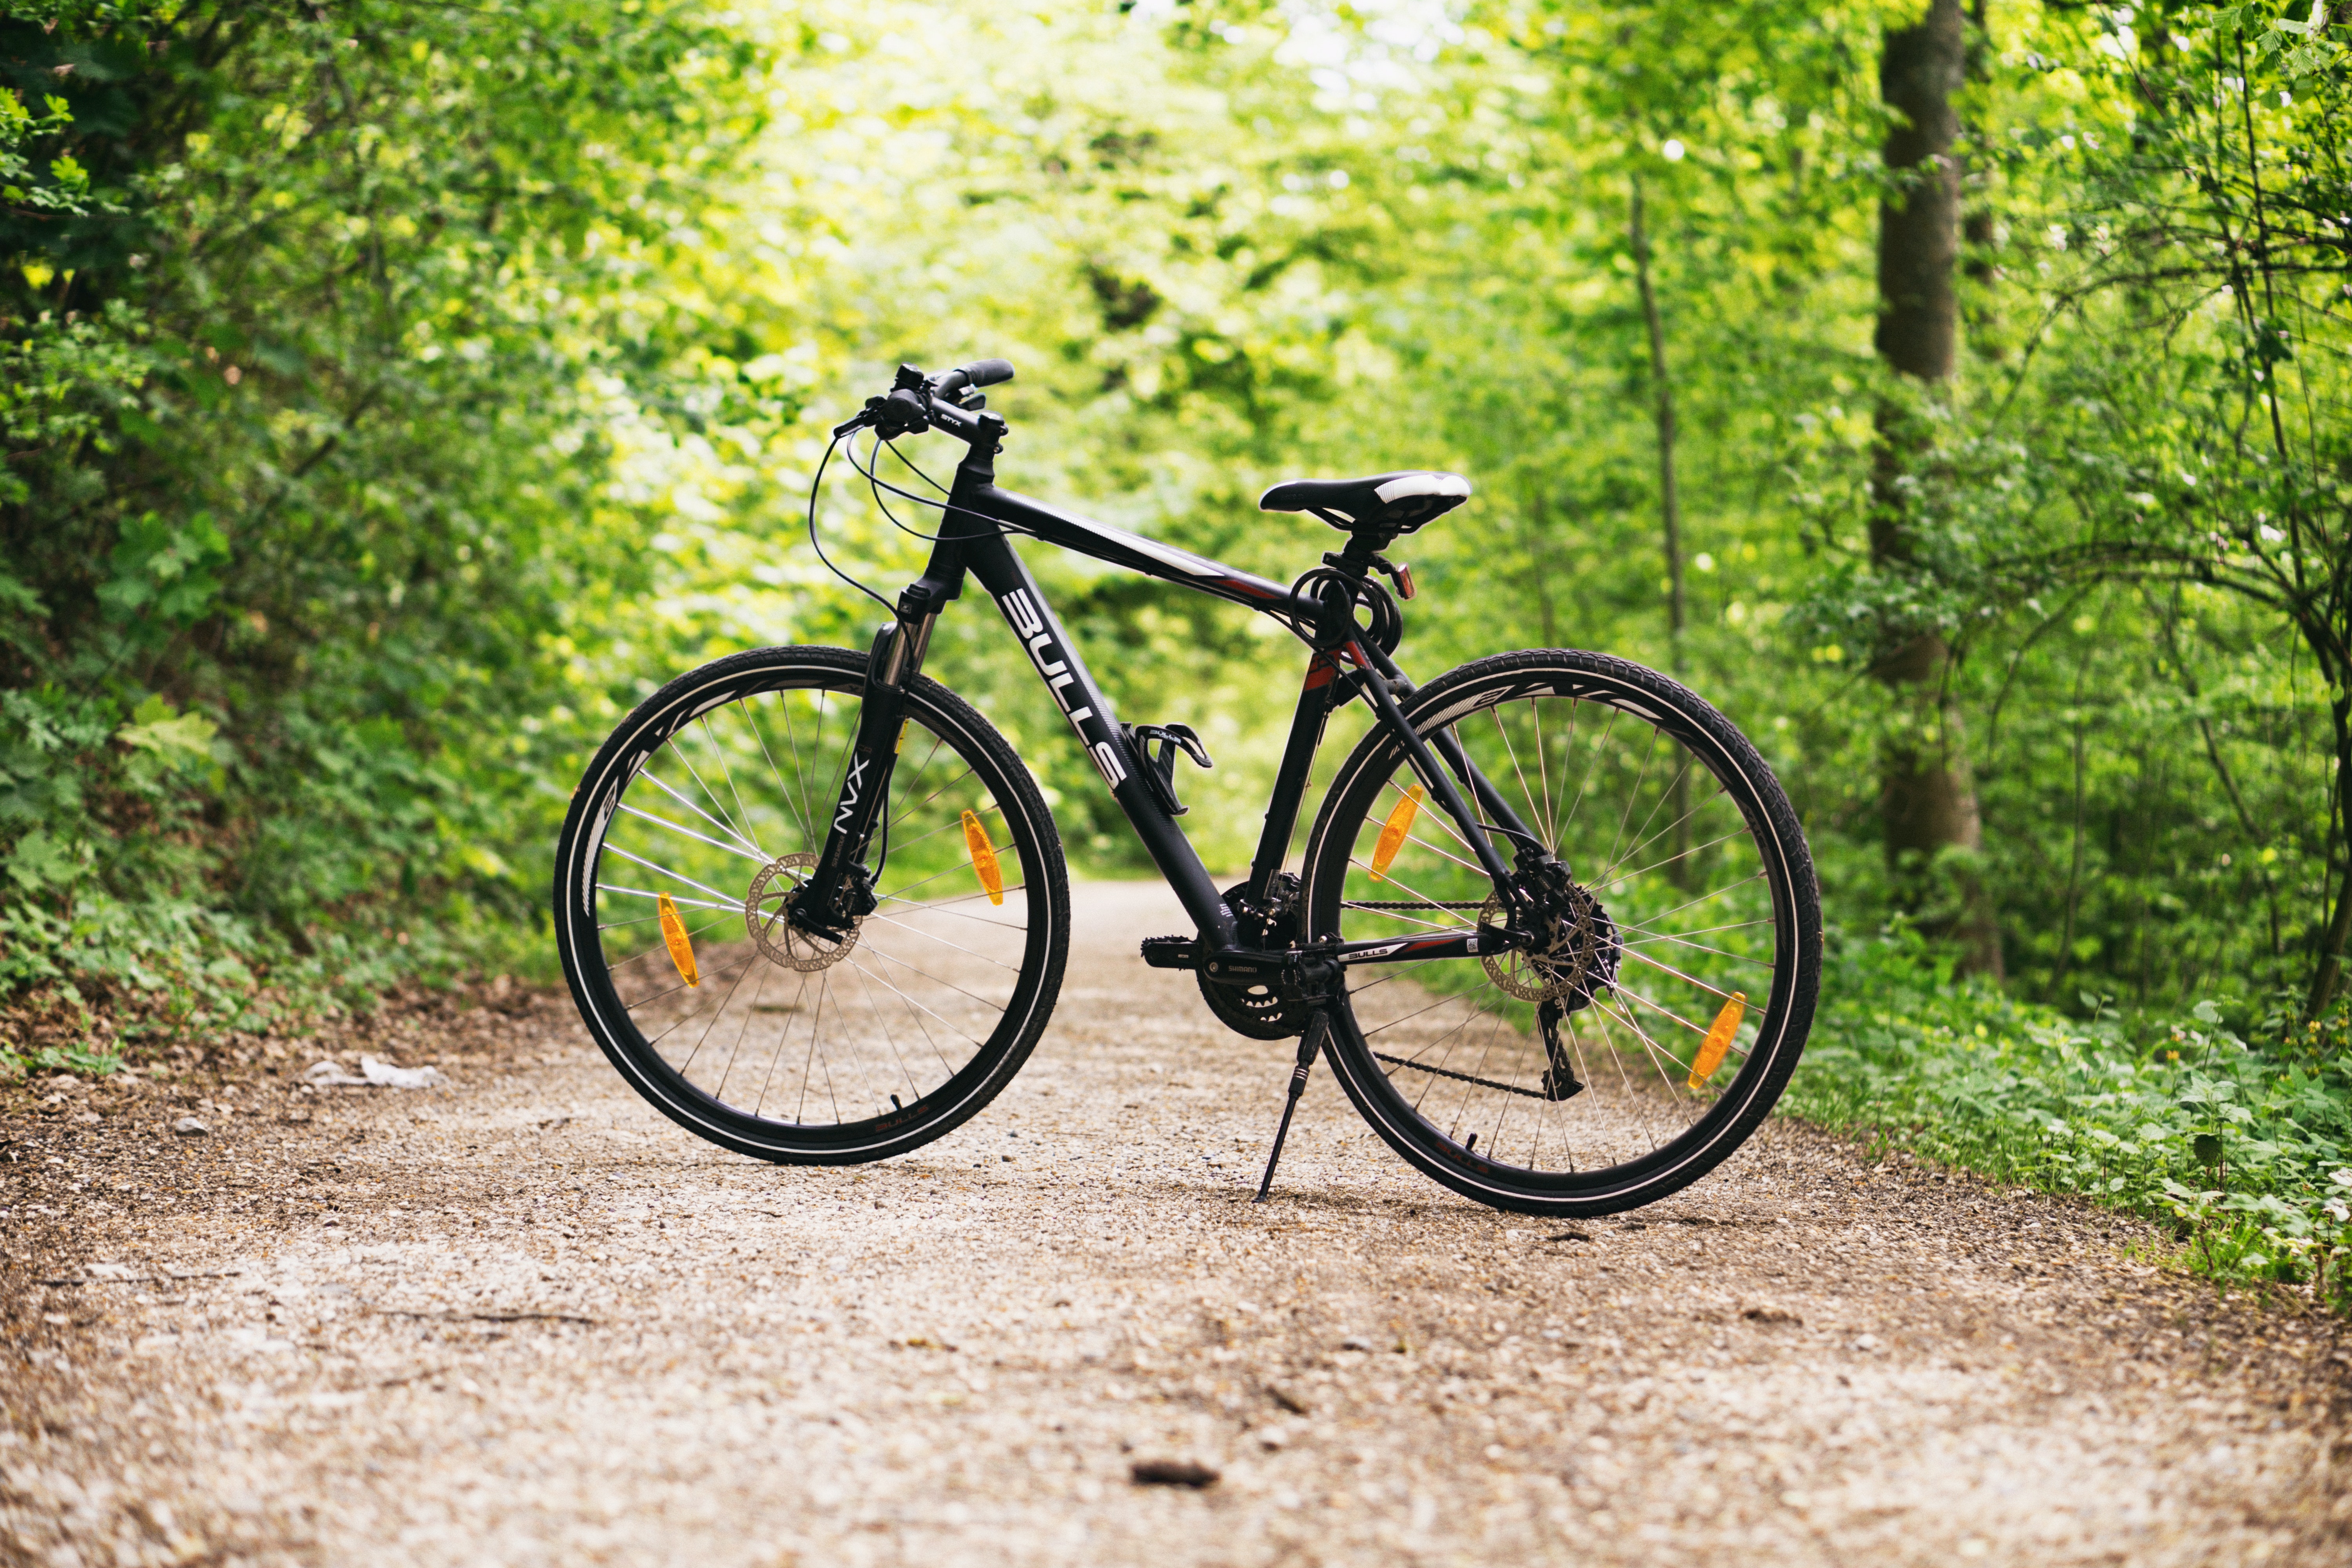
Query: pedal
<point>1158,744</point>
<point>1171,953</point>
<point>1560,1078</point>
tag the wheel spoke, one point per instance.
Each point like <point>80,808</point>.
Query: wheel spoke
<point>690,833</point>
<point>917,930</point>
<point>729,774</point>
<point>1620,879</point>
<point>783,792</point>
<point>1687,979</point>
<point>648,865</point>
<point>1520,774</point>
<point>644,893</point>
<point>658,783</point>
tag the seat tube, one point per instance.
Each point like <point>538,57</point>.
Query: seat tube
<point>1306,725</point>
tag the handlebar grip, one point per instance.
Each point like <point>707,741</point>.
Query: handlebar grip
<point>979,373</point>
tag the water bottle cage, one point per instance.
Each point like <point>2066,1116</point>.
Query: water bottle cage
<point>1157,745</point>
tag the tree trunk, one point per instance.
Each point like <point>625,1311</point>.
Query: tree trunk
<point>1929,799</point>
<point>2330,973</point>
<point>1918,226</point>
<point>1977,225</point>
<point>1670,508</point>
<point>1539,530</point>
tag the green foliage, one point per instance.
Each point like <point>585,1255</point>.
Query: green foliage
<point>2245,1148</point>
<point>305,379</point>
<point>2134,522</point>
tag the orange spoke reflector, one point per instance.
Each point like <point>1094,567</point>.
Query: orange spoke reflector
<point>681,952</point>
<point>1392,832</point>
<point>984,857</point>
<point>1719,1039</point>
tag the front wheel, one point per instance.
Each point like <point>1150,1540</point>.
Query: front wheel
<point>1666,1005</point>
<point>694,826</point>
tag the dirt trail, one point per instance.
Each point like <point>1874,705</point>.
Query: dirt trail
<point>520,1320</point>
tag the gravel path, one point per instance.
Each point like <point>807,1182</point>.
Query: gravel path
<point>517,1319</point>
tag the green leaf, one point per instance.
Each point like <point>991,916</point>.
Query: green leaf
<point>40,862</point>
<point>155,726</point>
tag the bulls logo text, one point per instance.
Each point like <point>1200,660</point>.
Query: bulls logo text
<point>1029,624</point>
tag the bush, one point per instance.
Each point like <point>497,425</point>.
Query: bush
<point>2242,1142</point>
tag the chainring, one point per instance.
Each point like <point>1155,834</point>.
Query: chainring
<point>1259,1011</point>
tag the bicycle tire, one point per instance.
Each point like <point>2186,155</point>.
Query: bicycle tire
<point>1419,1098</point>
<point>897,1099</point>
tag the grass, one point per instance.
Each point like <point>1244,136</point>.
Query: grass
<point>2239,1138</point>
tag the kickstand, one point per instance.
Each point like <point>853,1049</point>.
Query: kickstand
<point>1317,1028</point>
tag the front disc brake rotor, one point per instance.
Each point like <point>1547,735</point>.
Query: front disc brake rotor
<point>783,942</point>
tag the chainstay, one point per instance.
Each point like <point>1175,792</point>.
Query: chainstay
<point>1461,1077</point>
<point>1414,904</point>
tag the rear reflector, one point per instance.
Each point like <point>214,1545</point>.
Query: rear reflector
<point>1392,832</point>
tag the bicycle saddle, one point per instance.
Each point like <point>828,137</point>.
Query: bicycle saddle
<point>1396,503</point>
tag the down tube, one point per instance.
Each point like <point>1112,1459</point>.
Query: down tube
<point>1006,577</point>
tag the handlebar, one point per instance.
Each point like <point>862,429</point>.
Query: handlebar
<point>917,403</point>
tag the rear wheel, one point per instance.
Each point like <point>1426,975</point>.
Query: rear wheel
<point>694,824</point>
<point>1682,947</point>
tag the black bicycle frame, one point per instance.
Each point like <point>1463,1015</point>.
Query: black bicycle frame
<point>973,539</point>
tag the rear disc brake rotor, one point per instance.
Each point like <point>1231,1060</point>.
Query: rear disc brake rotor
<point>1576,955</point>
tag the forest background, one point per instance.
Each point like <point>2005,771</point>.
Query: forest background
<point>394,394</point>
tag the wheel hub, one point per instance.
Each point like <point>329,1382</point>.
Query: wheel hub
<point>784,943</point>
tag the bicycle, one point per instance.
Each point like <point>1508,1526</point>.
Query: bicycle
<point>1555,925</point>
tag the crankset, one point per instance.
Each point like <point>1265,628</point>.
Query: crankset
<point>1255,1005</point>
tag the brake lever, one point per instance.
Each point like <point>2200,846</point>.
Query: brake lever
<point>900,413</point>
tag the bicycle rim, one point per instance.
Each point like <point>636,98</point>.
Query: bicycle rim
<point>700,819</point>
<point>1683,967</point>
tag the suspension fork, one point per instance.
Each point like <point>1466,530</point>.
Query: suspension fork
<point>832,898</point>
